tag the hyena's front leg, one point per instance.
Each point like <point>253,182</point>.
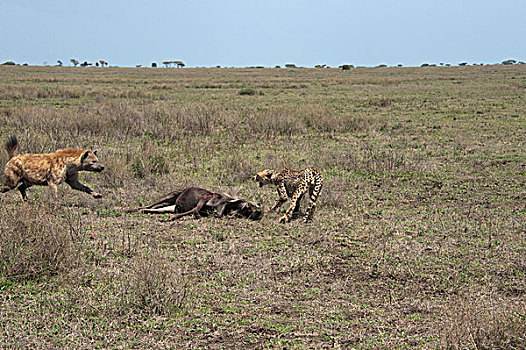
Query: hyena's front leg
<point>74,183</point>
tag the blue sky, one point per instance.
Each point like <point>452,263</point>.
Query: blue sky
<point>268,33</point>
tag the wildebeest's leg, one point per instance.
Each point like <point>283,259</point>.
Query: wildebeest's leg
<point>169,199</point>
<point>168,209</point>
<point>195,210</point>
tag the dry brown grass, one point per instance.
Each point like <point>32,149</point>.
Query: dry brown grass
<point>35,242</point>
<point>418,241</point>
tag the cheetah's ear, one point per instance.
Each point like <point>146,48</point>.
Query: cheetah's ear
<point>269,173</point>
<point>95,152</point>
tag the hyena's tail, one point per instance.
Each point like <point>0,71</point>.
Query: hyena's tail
<point>10,145</point>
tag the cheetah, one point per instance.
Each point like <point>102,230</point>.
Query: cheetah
<point>293,184</point>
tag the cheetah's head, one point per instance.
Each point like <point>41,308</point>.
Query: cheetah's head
<point>264,177</point>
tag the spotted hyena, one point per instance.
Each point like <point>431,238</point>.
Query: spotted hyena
<point>51,169</point>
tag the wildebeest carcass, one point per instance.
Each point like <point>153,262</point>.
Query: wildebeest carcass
<point>201,202</point>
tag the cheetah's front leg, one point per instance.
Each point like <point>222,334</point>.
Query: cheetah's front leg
<point>282,193</point>
<point>294,202</point>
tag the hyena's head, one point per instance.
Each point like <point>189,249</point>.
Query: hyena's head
<point>90,162</point>
<point>264,177</point>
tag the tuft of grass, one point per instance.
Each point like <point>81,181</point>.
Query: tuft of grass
<point>34,243</point>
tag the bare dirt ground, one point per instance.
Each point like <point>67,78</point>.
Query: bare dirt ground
<point>419,240</point>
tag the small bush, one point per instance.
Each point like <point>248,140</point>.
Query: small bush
<point>154,285</point>
<point>247,91</point>
<point>485,323</point>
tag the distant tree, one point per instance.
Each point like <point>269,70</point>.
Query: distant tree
<point>154,65</point>
<point>74,61</point>
<point>463,64</point>
<point>399,65</point>
<point>277,67</point>
<point>86,64</point>
<point>381,66</point>
<point>424,65</point>
<point>448,64</point>
<point>521,62</point>
<point>317,66</point>
<point>103,63</point>
<point>509,62</point>
<point>346,66</point>
<point>59,62</point>
<point>138,65</point>
<point>167,63</point>
<point>290,65</point>
<point>179,64</point>
<point>9,63</point>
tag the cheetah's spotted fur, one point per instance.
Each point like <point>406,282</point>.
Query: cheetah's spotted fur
<point>293,184</point>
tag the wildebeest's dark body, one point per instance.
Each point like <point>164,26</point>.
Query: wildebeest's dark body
<point>201,202</point>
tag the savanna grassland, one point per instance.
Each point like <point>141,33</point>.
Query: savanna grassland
<point>419,239</point>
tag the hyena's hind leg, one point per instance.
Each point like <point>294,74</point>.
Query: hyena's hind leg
<point>22,188</point>
<point>12,180</point>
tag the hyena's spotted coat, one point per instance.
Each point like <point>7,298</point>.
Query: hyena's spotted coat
<point>51,169</point>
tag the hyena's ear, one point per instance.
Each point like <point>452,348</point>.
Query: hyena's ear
<point>84,156</point>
